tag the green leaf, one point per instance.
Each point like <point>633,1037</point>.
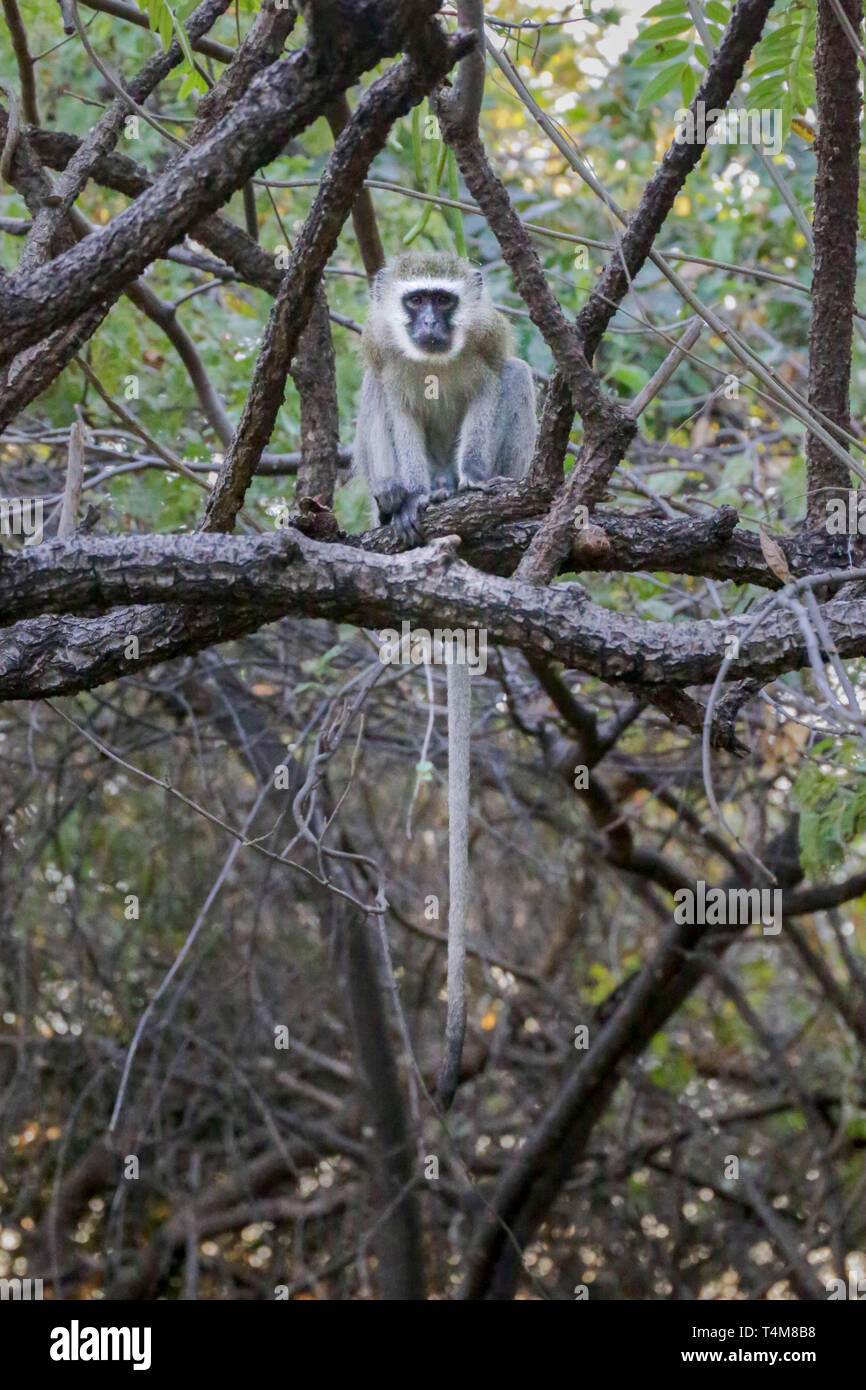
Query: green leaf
<point>688,84</point>
<point>667,7</point>
<point>631,377</point>
<point>417,148</point>
<point>767,94</point>
<point>663,82</point>
<point>454,215</point>
<point>666,29</point>
<point>192,82</point>
<point>661,51</point>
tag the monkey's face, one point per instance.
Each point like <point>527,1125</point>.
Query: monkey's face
<point>431,321</point>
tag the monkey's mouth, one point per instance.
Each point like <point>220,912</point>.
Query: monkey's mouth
<point>433,345</point>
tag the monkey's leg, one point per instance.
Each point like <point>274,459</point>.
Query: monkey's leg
<point>476,446</point>
<point>497,439</point>
<point>516,422</point>
<point>390,453</point>
<point>459,713</point>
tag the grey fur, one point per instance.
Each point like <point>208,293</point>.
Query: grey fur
<point>459,722</point>
<point>430,423</point>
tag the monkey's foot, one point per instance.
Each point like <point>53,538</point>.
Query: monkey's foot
<point>402,511</point>
<point>482,485</point>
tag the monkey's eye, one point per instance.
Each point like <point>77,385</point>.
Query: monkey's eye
<point>444,299</point>
<point>414,300</point>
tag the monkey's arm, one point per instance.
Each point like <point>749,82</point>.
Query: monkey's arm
<point>390,453</point>
<point>497,438</point>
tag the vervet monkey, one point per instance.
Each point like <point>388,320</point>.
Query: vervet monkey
<point>444,405</point>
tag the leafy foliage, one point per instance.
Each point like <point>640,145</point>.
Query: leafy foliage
<point>561,926</point>
<point>830,793</point>
<point>780,75</point>
<point>168,22</point>
<point>675,42</point>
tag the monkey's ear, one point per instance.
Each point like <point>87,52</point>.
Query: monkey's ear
<point>476,282</point>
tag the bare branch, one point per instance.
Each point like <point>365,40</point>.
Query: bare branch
<point>74,475</point>
<point>18,34</point>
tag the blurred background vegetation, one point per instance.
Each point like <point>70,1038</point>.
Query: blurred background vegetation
<point>103,874</point>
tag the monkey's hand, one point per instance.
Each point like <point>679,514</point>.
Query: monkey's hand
<point>402,510</point>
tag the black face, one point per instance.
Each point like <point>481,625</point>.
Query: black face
<point>428,318</point>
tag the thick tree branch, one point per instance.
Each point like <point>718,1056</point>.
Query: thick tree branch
<point>608,428</point>
<point>313,371</point>
<point>247,582</point>
<point>600,414</point>
<point>835,227</point>
<point>624,542</point>
<point>261,46</point>
<point>104,135</point>
<point>363,213</point>
<point>281,101</point>
<point>744,29</point>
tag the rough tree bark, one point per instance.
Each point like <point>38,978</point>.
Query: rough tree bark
<point>835,226</point>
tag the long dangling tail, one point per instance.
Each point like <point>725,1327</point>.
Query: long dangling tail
<point>459,713</point>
